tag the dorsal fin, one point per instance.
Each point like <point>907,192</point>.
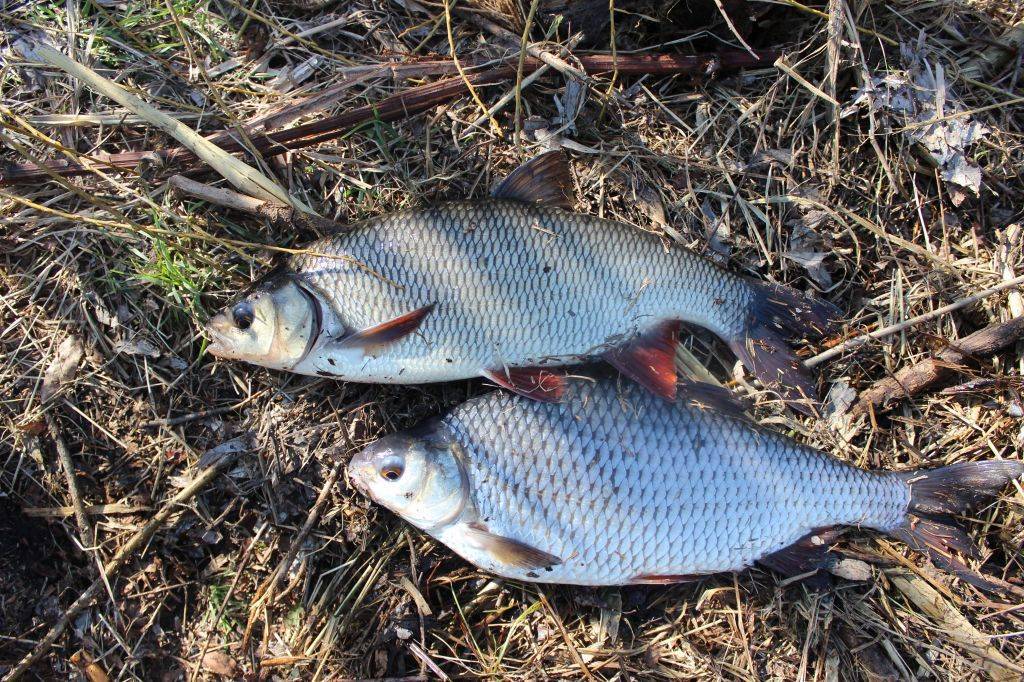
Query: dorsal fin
<point>544,179</point>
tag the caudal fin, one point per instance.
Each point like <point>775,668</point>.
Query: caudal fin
<point>776,313</point>
<point>937,495</point>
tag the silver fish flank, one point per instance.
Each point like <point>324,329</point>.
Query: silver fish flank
<point>615,486</point>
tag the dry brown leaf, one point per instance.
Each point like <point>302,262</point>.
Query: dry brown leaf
<point>63,366</point>
<point>219,663</point>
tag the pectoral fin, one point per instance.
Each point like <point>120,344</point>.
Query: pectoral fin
<point>544,179</point>
<point>538,383</point>
<point>508,551</point>
<point>808,554</point>
<point>387,332</point>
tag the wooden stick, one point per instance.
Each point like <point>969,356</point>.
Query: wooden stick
<point>129,550</point>
<point>64,455</point>
<point>859,341</point>
<point>926,373</point>
<point>396,107</point>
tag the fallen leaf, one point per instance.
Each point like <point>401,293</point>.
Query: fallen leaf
<point>851,569</point>
<point>89,668</point>
<point>63,366</point>
<point>219,663</point>
<point>138,347</point>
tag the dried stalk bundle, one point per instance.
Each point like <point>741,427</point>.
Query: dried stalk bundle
<point>398,106</point>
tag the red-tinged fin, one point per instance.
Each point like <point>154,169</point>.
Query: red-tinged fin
<point>650,359</point>
<point>544,179</point>
<point>508,551</point>
<point>775,311</point>
<point>668,579</point>
<point>711,397</point>
<point>538,383</point>
<point>388,332</point>
<point>956,489</point>
<point>805,556</point>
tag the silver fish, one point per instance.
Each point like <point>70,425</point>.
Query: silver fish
<point>615,487</point>
<point>509,288</point>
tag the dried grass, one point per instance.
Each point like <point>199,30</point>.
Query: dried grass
<point>756,170</point>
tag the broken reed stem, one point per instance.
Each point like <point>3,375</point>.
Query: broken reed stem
<point>399,106</point>
<point>266,209</point>
<point>236,171</point>
<point>859,341</point>
<point>127,551</point>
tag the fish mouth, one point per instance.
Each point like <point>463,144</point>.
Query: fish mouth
<point>218,344</point>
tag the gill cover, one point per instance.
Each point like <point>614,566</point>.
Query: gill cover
<point>416,474</point>
<point>274,325</point>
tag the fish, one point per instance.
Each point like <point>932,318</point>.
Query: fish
<point>615,486</point>
<point>511,288</point>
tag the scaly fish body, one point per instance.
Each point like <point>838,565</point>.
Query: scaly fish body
<point>508,288</point>
<point>615,487</point>
<point>511,285</point>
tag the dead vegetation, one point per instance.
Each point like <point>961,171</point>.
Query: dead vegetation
<point>877,163</point>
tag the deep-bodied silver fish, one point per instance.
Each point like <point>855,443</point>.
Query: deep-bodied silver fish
<point>508,288</point>
<point>614,486</point>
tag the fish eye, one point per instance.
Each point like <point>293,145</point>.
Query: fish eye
<point>392,471</point>
<point>242,315</point>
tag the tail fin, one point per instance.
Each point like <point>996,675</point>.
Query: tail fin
<point>938,494</point>
<point>778,310</point>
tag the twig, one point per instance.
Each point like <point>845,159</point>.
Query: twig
<point>858,341</point>
<point>266,591</point>
<point>81,515</point>
<point>462,72</point>
<point>924,374</point>
<point>528,81</point>
<point>127,551</point>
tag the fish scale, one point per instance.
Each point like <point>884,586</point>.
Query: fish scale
<point>688,491</point>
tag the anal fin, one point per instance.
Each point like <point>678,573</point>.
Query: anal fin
<point>386,332</point>
<point>508,551</point>
<point>650,359</point>
<point>538,383</point>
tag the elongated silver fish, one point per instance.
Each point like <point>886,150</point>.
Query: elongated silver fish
<point>508,288</point>
<point>614,487</point>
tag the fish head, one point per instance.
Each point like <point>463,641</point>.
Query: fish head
<point>274,324</point>
<point>416,474</point>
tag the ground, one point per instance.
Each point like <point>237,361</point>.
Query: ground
<point>854,168</point>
